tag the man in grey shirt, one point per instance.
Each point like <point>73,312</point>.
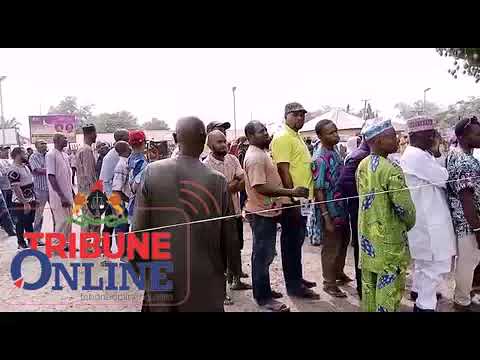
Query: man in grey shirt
<point>183,190</point>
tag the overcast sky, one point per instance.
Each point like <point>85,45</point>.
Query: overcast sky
<point>171,83</point>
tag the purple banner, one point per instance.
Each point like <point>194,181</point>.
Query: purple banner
<point>44,126</point>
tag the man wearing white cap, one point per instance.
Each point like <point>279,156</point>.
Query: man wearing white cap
<point>432,239</point>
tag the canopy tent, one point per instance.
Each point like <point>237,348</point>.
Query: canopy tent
<point>342,119</point>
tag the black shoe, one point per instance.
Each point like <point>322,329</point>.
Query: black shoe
<point>306,293</point>
<point>417,309</point>
<point>23,246</point>
<point>276,295</point>
<point>40,243</point>
<point>12,234</point>
<point>309,284</point>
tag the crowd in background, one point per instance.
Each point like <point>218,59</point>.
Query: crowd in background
<point>399,200</point>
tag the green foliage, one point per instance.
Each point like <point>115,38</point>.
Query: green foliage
<point>69,106</point>
<point>156,124</point>
<point>109,122</point>
<point>467,61</point>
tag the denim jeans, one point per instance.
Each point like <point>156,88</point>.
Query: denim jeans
<point>5,218</point>
<point>24,221</point>
<point>264,231</point>
<point>291,241</point>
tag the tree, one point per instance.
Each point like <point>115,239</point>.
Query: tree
<point>409,110</point>
<point>462,108</point>
<point>69,106</point>
<point>156,124</point>
<point>8,124</point>
<point>109,122</point>
<point>466,58</point>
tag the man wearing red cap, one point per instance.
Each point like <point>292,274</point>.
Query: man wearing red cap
<point>136,163</point>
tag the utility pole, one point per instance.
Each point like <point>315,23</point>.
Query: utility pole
<point>365,110</point>
<point>234,113</point>
<point>1,99</point>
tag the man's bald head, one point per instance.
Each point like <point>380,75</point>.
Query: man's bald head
<point>59,140</point>
<point>191,136</point>
<point>217,142</point>
<point>120,135</point>
<point>122,148</point>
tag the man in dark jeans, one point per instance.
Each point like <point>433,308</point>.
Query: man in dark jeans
<point>293,160</point>
<point>21,180</point>
<point>263,208</point>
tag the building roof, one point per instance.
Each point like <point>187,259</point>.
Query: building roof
<point>342,119</point>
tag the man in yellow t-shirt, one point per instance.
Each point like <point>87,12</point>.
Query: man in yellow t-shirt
<point>293,160</point>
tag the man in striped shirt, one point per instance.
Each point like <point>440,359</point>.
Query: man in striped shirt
<point>39,172</point>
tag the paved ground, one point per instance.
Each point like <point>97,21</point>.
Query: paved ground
<point>45,299</point>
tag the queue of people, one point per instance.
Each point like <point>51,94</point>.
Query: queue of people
<point>379,203</point>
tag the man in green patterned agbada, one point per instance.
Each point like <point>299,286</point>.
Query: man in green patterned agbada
<point>385,216</point>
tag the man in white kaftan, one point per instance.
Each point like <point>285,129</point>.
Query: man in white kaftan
<point>432,240</point>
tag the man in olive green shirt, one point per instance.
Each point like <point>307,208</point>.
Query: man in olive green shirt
<point>293,160</point>
<point>385,216</point>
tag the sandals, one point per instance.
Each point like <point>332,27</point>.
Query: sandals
<point>276,295</point>
<point>343,279</point>
<point>309,284</point>
<point>306,293</point>
<point>334,291</point>
<point>227,301</point>
<point>275,306</point>
<point>238,285</point>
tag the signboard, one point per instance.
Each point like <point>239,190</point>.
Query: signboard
<point>43,127</point>
<point>8,137</point>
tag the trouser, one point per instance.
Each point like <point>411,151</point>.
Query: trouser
<point>264,234</point>
<point>42,198</point>
<point>476,278</point>
<point>291,241</point>
<point>382,292</point>
<point>240,241</point>
<point>334,252</point>
<point>353,214</point>
<point>7,194</point>
<point>62,224</point>
<point>427,277</point>
<point>467,260</point>
<point>90,228</point>
<point>122,228</point>
<point>106,228</point>
<point>74,170</point>
<point>24,221</point>
<point>5,218</point>
<point>243,198</point>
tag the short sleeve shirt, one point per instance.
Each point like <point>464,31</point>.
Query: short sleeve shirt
<point>86,172</point>
<point>21,175</point>
<point>327,166</point>
<point>37,161</point>
<point>120,177</point>
<point>463,173</point>
<point>288,147</point>
<point>259,170</point>
<point>230,168</point>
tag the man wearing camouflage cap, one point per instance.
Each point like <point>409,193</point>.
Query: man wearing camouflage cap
<point>293,160</point>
